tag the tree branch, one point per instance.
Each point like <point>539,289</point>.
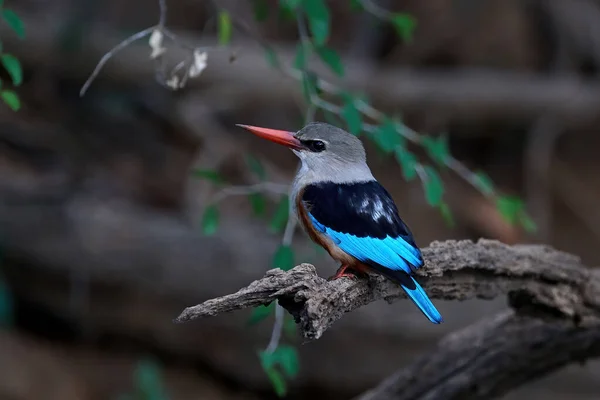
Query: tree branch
<point>467,95</point>
<point>539,280</point>
<point>487,359</point>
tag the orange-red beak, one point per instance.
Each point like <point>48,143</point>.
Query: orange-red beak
<point>281,137</point>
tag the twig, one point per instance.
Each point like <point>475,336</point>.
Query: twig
<point>136,36</point>
<point>162,19</point>
<point>173,80</point>
<point>539,150</point>
<point>291,222</point>
<point>375,10</point>
<point>277,329</point>
<point>463,172</point>
<point>288,235</point>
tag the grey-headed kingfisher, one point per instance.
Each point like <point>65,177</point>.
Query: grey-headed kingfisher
<point>343,208</point>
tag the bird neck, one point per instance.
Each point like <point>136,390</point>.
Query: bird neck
<point>334,172</point>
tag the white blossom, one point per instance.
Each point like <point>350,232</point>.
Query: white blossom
<point>156,43</point>
<point>173,82</point>
<point>199,63</point>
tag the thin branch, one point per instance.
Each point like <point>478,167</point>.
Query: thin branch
<point>286,240</point>
<point>173,81</point>
<point>136,36</point>
<point>277,329</point>
<point>537,160</point>
<point>377,11</point>
<point>538,279</point>
<point>291,222</point>
<point>162,19</point>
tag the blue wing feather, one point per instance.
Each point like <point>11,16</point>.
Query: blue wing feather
<point>389,253</point>
<point>392,253</point>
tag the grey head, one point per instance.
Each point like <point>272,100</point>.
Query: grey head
<point>330,154</point>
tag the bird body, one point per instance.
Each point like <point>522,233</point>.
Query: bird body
<point>344,209</point>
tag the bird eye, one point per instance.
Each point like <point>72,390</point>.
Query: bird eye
<point>317,146</point>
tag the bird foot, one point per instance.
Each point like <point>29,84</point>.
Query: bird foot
<point>345,271</point>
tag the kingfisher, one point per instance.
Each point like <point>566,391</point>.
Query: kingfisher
<point>344,209</point>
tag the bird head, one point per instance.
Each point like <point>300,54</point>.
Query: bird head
<point>318,145</point>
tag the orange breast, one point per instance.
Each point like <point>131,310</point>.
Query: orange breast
<point>320,238</point>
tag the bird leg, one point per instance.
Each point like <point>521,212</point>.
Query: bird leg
<point>342,272</point>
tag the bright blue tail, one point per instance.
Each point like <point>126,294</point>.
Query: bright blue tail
<point>419,297</point>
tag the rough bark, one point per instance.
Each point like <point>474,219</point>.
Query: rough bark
<point>555,316</point>
<point>537,278</point>
<point>487,359</point>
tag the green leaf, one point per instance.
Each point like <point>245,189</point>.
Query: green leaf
<point>284,258</point>
<point>281,215</point>
<point>261,10</point>
<point>210,220</point>
<point>513,211</point>
<point>271,57</point>
<point>332,59</point>
<point>289,326</point>
<point>284,356</point>
<point>6,305</point>
<point>302,50</point>
<point>225,28</point>
<point>437,148</point>
<point>352,116</point>
<point>408,161</point>
<point>405,25</point>
<point>148,380</point>
<point>317,13</point>
<point>11,99</point>
<point>13,66</point>
<point>268,362</point>
<point>276,378</point>
<point>285,13</point>
<point>356,5</point>
<point>309,85</point>
<point>259,203</point>
<point>527,223</point>
<point>434,188</point>
<point>256,167</point>
<point>260,313</point>
<point>209,175</point>
<point>387,137</point>
<point>290,4</point>
<point>13,20</point>
<point>509,207</point>
<point>484,183</point>
<point>447,214</point>
<point>287,357</point>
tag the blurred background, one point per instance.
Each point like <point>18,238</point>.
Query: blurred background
<point>101,230</point>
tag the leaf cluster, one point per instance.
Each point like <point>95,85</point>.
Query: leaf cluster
<point>10,63</point>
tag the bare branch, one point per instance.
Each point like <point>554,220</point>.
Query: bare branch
<point>538,279</point>
<point>136,36</point>
<point>487,359</point>
<point>277,329</point>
